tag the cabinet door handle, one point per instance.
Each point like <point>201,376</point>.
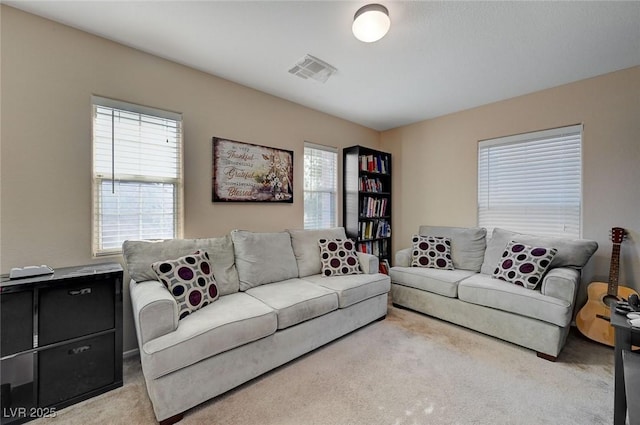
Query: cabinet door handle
<point>84,291</point>
<point>79,350</point>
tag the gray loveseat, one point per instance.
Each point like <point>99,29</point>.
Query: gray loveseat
<point>274,306</point>
<point>469,296</point>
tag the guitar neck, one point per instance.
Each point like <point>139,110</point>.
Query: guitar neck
<point>614,269</point>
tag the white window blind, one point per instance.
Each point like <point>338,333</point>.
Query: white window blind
<point>532,182</point>
<point>137,174</point>
<point>320,186</point>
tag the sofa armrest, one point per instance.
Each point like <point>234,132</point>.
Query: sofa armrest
<point>562,283</point>
<point>403,257</point>
<point>368,263</point>
<point>155,311</point>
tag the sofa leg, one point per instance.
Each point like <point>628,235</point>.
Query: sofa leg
<point>380,319</point>
<point>546,356</point>
<point>173,419</point>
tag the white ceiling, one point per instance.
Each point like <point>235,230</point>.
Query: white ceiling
<point>438,57</point>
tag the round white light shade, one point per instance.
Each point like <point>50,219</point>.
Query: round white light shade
<point>371,23</point>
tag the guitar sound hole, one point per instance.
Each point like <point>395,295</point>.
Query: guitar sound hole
<point>610,301</point>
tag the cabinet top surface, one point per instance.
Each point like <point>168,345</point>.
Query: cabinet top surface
<point>62,273</point>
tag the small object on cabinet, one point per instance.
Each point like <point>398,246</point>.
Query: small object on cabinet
<point>29,271</point>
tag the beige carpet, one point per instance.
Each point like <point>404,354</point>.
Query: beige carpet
<point>408,369</point>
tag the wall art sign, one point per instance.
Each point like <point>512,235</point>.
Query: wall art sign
<point>244,172</point>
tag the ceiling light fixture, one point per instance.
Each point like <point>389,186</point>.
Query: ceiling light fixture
<point>371,23</point>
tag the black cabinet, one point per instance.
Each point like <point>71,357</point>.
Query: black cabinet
<point>367,201</point>
<point>16,310</point>
<point>61,339</point>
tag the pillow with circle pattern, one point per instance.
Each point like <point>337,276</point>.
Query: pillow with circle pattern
<point>190,280</point>
<point>431,251</point>
<point>524,265</point>
<point>338,257</point>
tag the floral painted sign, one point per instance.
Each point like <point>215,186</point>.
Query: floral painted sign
<point>251,173</point>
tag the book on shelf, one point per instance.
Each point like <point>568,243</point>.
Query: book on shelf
<point>378,248</point>
<point>374,207</point>
<point>374,229</point>
<point>375,163</point>
<point>370,185</point>
<point>384,266</point>
<point>383,229</point>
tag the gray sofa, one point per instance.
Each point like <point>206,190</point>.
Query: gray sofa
<point>469,296</point>
<point>274,306</point>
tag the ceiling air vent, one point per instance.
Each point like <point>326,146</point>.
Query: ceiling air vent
<point>312,67</point>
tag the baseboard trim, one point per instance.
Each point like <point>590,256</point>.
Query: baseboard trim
<point>131,353</point>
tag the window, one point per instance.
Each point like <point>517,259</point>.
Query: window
<point>320,186</point>
<point>532,182</point>
<point>137,174</point>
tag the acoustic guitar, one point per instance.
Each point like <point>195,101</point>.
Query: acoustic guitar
<point>593,319</point>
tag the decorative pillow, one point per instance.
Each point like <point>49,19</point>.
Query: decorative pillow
<point>431,251</point>
<point>524,265</point>
<point>190,280</point>
<point>338,257</point>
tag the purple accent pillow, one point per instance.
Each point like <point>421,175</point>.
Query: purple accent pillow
<point>524,265</point>
<point>338,257</point>
<point>433,252</point>
<point>190,280</point>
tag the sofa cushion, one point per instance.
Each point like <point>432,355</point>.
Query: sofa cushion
<point>484,290</point>
<point>306,249</point>
<point>441,282</point>
<point>190,280</point>
<point>431,251</point>
<point>233,320</point>
<point>295,300</point>
<point>263,258</point>
<point>338,257</point>
<point>571,252</point>
<point>524,265</point>
<point>353,288</point>
<point>139,255</point>
<point>467,244</point>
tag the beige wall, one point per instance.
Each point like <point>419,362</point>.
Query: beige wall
<point>435,162</point>
<point>49,72</point>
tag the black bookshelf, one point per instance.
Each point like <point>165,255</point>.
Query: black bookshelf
<point>367,200</point>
